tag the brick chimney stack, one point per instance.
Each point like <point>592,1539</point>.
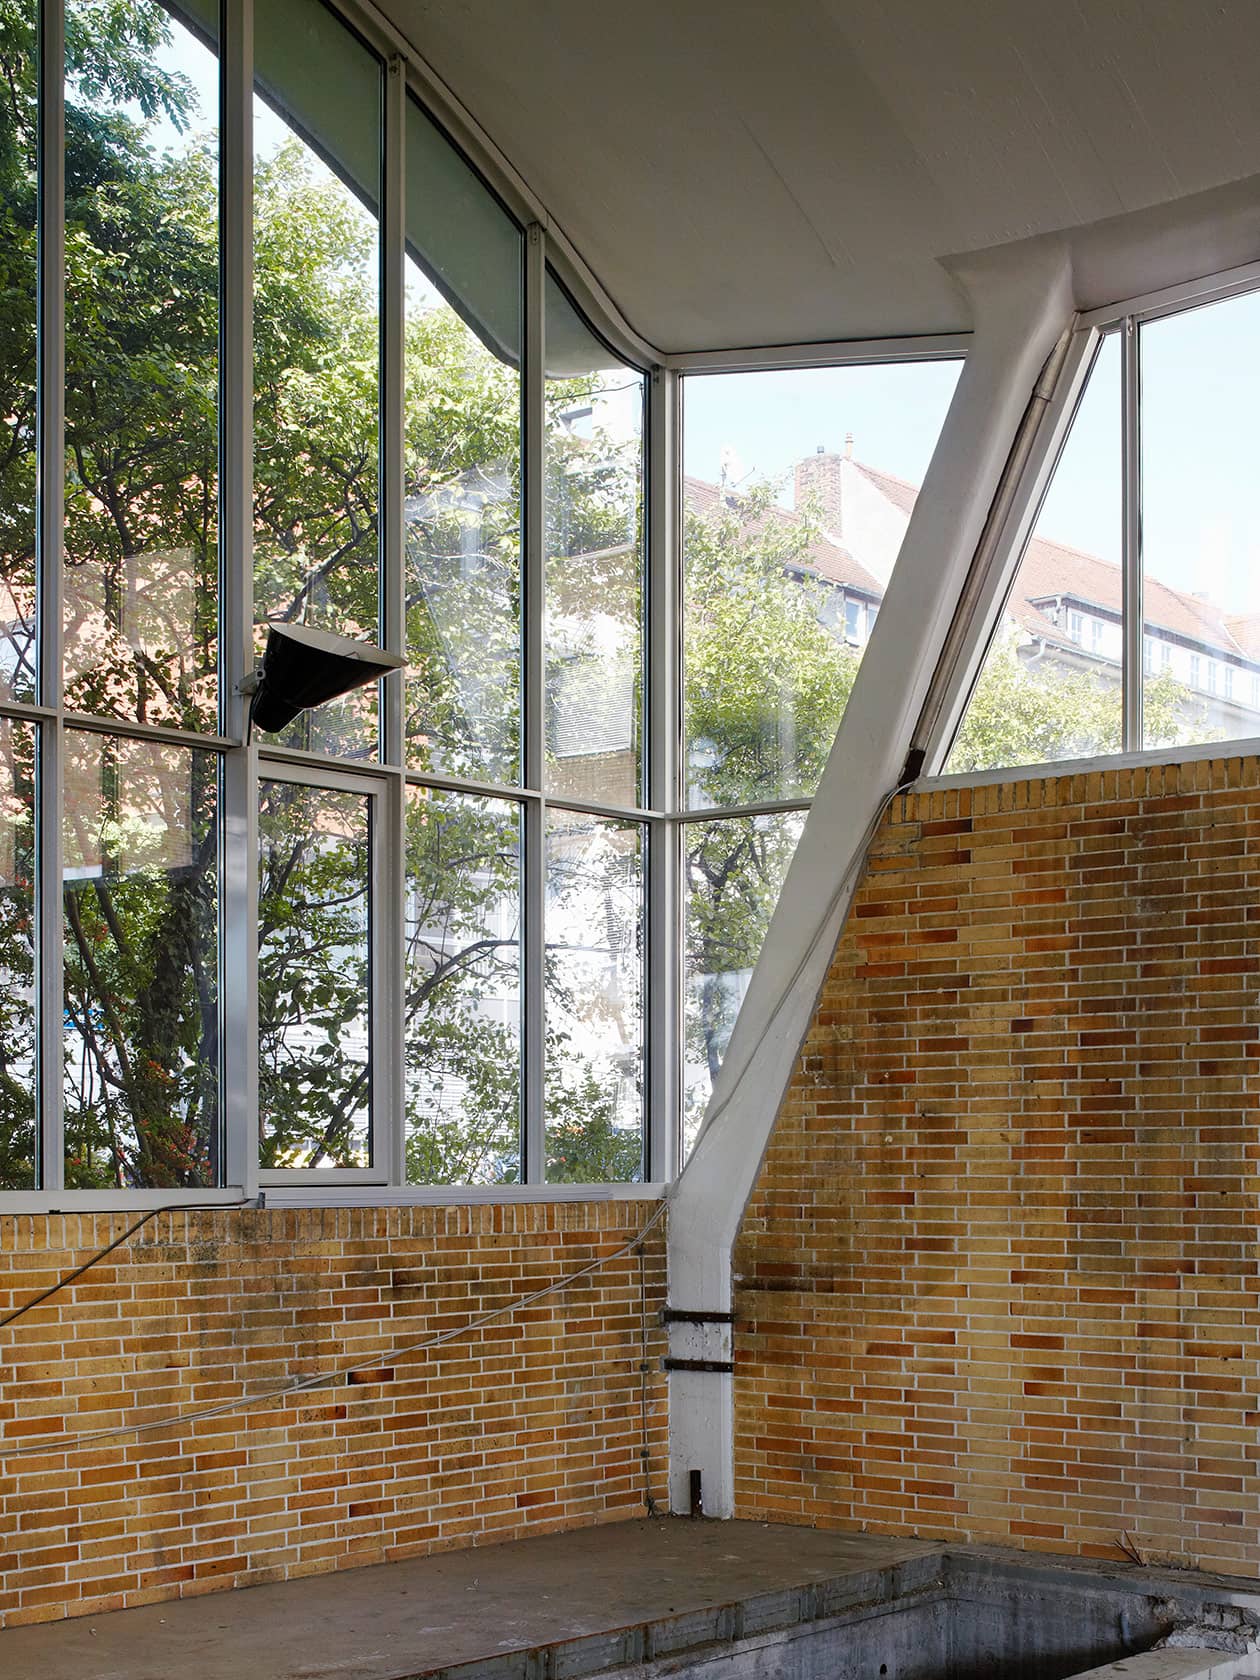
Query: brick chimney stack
<point>818,480</point>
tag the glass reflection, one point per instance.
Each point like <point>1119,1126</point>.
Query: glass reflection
<point>1049,689</point>
<point>594,999</point>
<point>463,989</point>
<point>734,873</point>
<point>594,612</point>
<point>799,487</point>
<point>18,1141</point>
<point>142,330</point>
<point>1200,591</point>
<point>141,905</point>
<point>18,162</point>
<point>314,977</point>
<point>317,115</point>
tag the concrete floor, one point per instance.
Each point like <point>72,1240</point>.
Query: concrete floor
<point>617,1592</point>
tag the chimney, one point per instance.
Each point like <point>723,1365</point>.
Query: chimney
<point>818,480</point>
<point>848,446</point>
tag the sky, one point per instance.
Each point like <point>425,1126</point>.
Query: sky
<point>1201,512</point>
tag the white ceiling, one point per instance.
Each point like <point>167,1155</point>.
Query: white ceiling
<point>776,171</point>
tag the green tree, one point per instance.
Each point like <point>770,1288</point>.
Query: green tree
<point>1040,711</point>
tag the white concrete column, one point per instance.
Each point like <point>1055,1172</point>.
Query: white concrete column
<point>1022,303</point>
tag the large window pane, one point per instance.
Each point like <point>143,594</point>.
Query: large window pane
<point>594,1000</point>
<point>314,976</point>
<point>317,124</point>
<point>463,989</point>
<point>798,489</point>
<point>463,420</point>
<point>18,44</point>
<point>142,327</point>
<point>141,901</point>
<point>17,956</point>
<point>594,616</point>
<point>1049,688</point>
<point>734,872</point>
<point>1200,525</point>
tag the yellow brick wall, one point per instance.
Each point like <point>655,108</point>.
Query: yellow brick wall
<point>998,1279</point>
<point>531,1424</point>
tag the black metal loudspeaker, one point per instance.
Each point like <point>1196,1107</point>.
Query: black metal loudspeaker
<point>302,667</point>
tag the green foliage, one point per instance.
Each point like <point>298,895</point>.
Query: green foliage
<point>1034,711</point>
<point>767,681</point>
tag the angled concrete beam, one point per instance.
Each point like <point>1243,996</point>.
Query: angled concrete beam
<point>1022,304</point>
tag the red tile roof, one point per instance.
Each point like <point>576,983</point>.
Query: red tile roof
<point>828,559</point>
<point>901,494</point>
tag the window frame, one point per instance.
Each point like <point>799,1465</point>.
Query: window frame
<point>1057,397</point>
<point>244,762</point>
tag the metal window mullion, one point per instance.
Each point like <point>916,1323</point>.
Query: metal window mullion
<point>51,458</point>
<point>387,910</point>
<point>389,1048</point>
<point>663,1015</point>
<point>393,341</point>
<point>533,485</point>
<point>239,899</point>
<point>1132,610</point>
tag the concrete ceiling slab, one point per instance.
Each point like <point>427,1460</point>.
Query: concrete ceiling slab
<point>749,173</point>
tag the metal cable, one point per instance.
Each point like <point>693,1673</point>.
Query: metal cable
<point>69,1277</point>
<point>321,1379</point>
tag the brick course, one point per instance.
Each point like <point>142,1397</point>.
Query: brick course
<point>998,1278</point>
<point>531,1424</point>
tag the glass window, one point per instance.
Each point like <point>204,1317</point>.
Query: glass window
<point>594,998</point>
<point>463,467</point>
<point>141,898</point>
<point>776,526</point>
<point>18,177</point>
<point>317,346</point>
<point>314,976</point>
<point>463,989</point>
<point>142,331</point>
<point>1041,696</point>
<point>1200,523</point>
<point>18,1084</point>
<point>734,872</point>
<point>594,608</point>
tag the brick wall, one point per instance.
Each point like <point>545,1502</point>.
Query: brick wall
<point>531,1424</point>
<point>998,1279</point>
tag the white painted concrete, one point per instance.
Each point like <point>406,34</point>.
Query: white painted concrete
<point>738,173</point>
<point>1022,308</point>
